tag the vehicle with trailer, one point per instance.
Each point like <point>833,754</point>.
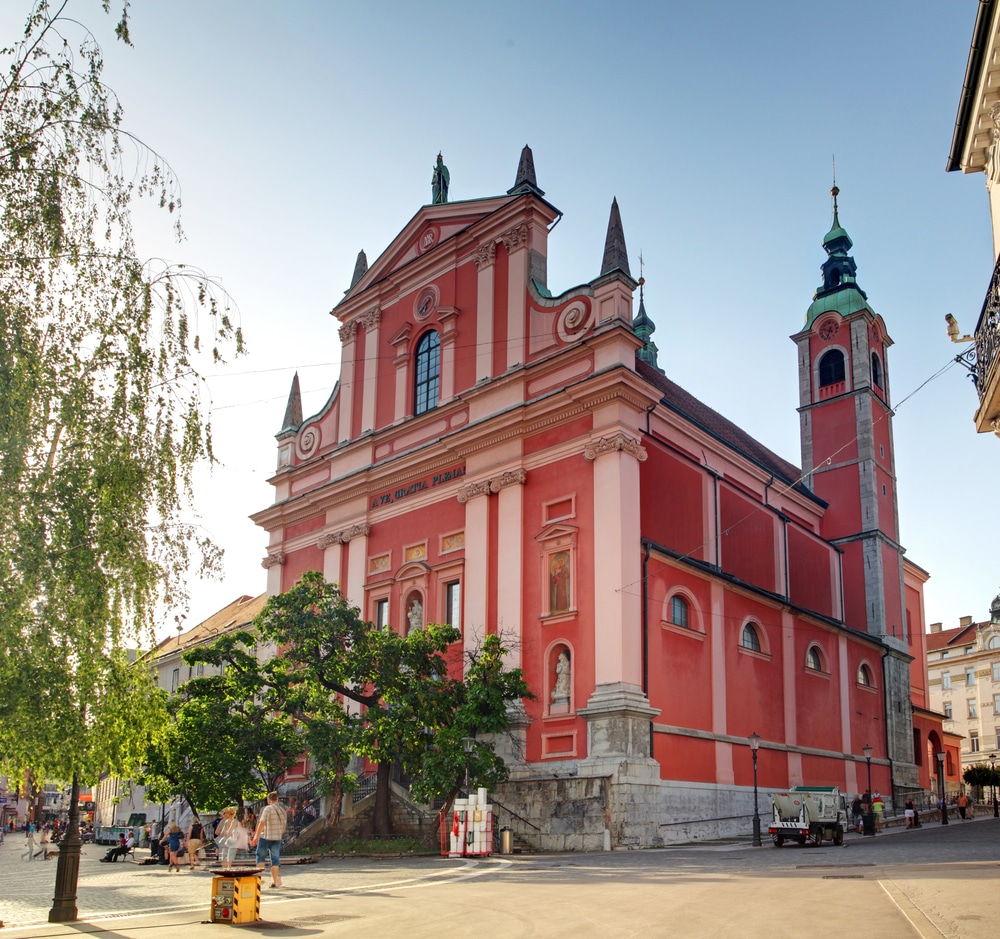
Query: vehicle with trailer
<point>808,813</point>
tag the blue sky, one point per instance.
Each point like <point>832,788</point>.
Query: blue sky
<point>305,131</point>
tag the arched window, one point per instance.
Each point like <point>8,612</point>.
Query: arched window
<point>813,659</point>
<point>994,643</point>
<point>831,368</point>
<point>750,639</point>
<point>865,676</point>
<point>678,610</point>
<point>876,370</point>
<point>428,373</point>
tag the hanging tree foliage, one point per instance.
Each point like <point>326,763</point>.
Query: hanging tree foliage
<point>101,413</point>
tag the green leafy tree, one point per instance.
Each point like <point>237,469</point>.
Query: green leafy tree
<point>101,418</point>
<point>982,776</point>
<point>412,710</point>
<point>229,740</point>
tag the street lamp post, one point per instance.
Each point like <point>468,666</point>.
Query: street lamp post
<point>468,745</point>
<point>868,824</point>
<point>993,784</point>
<point>754,744</point>
<point>941,756</point>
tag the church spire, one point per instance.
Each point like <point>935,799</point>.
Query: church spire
<point>360,268</point>
<point>644,327</point>
<point>525,180</point>
<point>615,252</point>
<point>839,289</point>
<point>293,411</point>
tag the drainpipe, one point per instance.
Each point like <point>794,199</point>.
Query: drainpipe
<point>645,635</point>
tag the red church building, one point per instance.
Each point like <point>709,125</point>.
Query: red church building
<point>510,459</point>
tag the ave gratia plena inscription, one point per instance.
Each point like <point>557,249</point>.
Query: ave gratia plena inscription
<point>428,482</point>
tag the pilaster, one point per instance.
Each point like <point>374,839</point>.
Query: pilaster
<point>370,321</point>
<point>484,256</point>
<point>617,559</point>
<point>510,538</point>
<point>477,555</point>
<point>348,339</point>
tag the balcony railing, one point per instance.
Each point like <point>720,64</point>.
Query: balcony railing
<point>987,344</point>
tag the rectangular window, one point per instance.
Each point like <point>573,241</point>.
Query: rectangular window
<point>947,710</point>
<point>453,604</point>
<point>382,613</point>
<point>974,742</point>
<point>968,650</point>
<point>175,679</point>
<point>944,654</point>
<point>973,710</point>
<point>996,704</point>
<point>996,671</point>
<point>946,680</point>
<point>970,676</point>
<point>201,668</point>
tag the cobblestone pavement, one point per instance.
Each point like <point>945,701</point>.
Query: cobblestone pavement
<point>127,887</point>
<point>931,883</point>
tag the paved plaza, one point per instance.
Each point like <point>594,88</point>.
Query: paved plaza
<point>937,881</point>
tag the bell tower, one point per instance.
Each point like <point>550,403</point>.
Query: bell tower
<point>845,424</point>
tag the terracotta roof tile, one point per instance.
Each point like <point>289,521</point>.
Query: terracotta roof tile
<point>688,406</point>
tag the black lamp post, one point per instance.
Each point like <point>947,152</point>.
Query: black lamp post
<point>468,745</point>
<point>941,755</point>
<point>754,739</point>
<point>868,821</point>
<point>993,784</point>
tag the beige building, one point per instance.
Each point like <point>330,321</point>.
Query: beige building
<point>975,148</point>
<point>963,667</point>
<point>116,800</point>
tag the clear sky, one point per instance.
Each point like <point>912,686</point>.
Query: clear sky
<point>305,131</point>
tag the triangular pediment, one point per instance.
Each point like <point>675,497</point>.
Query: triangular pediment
<point>433,225</point>
<point>555,532</point>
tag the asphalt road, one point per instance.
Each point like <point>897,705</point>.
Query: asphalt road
<point>934,882</point>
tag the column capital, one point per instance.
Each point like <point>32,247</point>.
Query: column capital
<point>615,442</point>
<point>485,255</point>
<point>516,477</point>
<point>349,331</point>
<point>275,557</point>
<point>467,493</point>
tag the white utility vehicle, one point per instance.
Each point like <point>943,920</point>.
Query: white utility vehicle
<point>808,813</point>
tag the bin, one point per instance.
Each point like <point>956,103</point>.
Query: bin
<point>506,840</point>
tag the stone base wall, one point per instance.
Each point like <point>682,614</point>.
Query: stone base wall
<point>625,810</point>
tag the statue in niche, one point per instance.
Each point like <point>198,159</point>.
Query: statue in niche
<point>564,677</point>
<point>416,614</point>
<point>559,582</point>
<point>440,182</point>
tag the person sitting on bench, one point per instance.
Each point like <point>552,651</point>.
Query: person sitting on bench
<point>122,849</point>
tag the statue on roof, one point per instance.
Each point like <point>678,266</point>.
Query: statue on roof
<point>440,182</point>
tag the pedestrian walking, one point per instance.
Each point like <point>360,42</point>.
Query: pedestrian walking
<point>856,810</point>
<point>909,811</point>
<point>31,844</point>
<point>173,843</point>
<point>195,837</point>
<point>878,807</point>
<point>267,836</point>
<point>963,805</point>
<point>226,836</point>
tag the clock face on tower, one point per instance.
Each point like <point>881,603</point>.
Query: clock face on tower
<point>829,328</point>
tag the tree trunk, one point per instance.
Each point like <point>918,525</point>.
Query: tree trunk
<point>68,864</point>
<point>383,794</point>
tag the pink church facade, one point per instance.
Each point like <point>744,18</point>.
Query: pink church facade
<point>511,460</point>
